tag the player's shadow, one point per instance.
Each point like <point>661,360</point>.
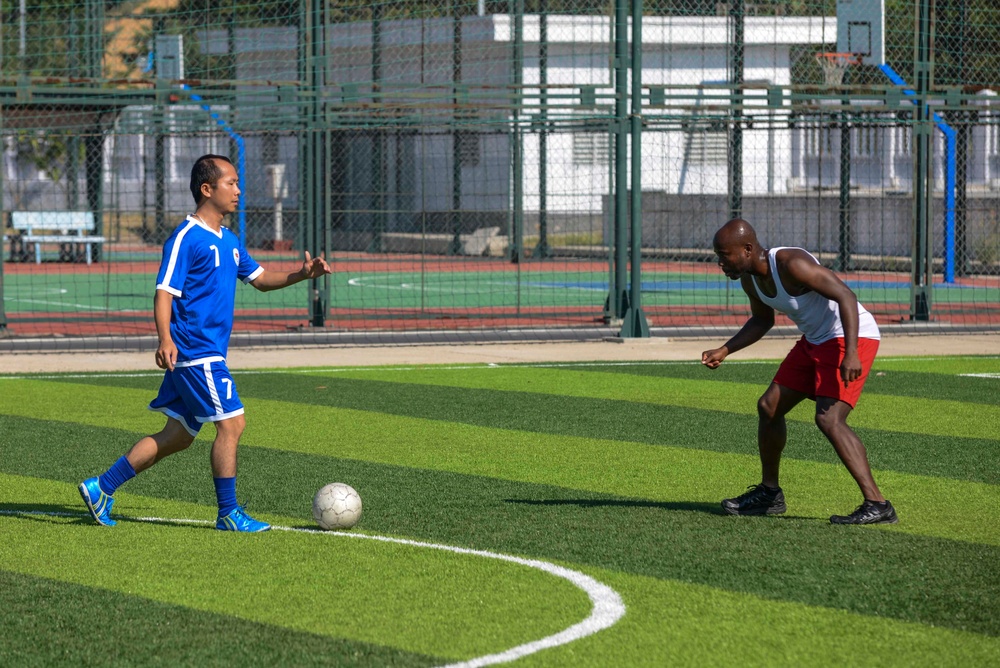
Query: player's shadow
<point>45,512</point>
<point>689,506</point>
<point>50,512</point>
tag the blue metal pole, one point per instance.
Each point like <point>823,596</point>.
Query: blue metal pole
<point>241,159</point>
<point>951,137</point>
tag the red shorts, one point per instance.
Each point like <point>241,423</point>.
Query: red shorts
<point>814,370</point>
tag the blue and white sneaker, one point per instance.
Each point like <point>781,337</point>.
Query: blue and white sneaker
<point>238,520</point>
<point>98,503</point>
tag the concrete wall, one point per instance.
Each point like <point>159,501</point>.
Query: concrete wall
<point>880,224</point>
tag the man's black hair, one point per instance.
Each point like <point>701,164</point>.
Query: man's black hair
<point>205,170</point>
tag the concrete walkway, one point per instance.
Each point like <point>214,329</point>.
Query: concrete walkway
<point>772,347</point>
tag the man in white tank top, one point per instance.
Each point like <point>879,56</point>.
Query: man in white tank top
<point>829,364</point>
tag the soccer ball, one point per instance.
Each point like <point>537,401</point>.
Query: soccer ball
<point>336,506</point>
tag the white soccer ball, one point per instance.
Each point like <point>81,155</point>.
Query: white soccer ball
<point>336,506</point>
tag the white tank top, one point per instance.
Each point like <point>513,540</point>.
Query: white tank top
<point>817,317</point>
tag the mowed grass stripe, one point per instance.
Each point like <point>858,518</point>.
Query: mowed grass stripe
<point>680,624</point>
<point>937,379</point>
<point>48,622</point>
<point>938,417</point>
<point>976,460</point>
<point>888,574</point>
<point>414,599</point>
<point>932,506</point>
<point>715,429</point>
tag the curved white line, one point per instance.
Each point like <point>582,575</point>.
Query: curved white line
<point>607,608</point>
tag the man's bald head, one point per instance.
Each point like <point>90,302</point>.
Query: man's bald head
<point>736,246</point>
<point>737,232</point>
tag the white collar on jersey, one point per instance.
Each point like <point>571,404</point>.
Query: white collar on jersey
<point>196,219</point>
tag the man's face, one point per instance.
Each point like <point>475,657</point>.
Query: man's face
<point>733,260</point>
<point>225,195</point>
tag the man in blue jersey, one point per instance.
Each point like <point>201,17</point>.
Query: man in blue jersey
<point>193,310</point>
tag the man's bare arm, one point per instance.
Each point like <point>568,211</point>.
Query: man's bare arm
<point>760,323</point>
<point>166,351</point>
<point>274,280</point>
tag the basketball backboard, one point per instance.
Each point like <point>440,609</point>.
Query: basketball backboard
<point>861,29</point>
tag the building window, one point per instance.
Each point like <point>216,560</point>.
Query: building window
<point>866,141</point>
<point>469,152</point>
<point>707,144</point>
<point>591,148</point>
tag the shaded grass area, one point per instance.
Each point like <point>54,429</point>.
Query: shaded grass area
<point>50,623</point>
<point>946,583</point>
<point>961,458</point>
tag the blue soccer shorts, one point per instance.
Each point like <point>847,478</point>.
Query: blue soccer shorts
<point>198,391</point>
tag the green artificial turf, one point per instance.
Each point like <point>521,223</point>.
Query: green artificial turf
<point>614,470</point>
<point>48,622</point>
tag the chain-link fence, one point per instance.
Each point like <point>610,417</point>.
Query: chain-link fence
<point>470,165</point>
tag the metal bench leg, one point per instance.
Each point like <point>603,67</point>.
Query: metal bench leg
<point>38,253</point>
<point>88,252</point>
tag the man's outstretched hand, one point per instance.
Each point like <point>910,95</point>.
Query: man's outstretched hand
<point>314,267</point>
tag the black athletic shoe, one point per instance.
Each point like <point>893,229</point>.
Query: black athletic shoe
<point>869,512</point>
<point>757,500</point>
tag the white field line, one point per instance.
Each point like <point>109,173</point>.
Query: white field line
<point>82,307</point>
<point>607,606</point>
<point>981,375</point>
<point>369,282</point>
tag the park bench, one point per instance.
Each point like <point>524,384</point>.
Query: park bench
<point>69,229</point>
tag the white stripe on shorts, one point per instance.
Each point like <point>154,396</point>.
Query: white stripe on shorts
<point>211,388</point>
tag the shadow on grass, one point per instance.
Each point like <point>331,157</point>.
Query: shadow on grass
<point>695,506</point>
<point>687,506</point>
<point>50,512</point>
<point>45,512</point>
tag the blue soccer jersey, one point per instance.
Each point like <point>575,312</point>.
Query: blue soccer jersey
<point>199,268</point>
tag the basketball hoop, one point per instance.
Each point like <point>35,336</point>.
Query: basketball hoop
<point>835,64</point>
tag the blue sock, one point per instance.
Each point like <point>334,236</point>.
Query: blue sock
<point>225,492</point>
<point>119,473</point>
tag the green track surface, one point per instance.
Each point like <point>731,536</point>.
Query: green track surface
<point>612,470</point>
<point>528,286</point>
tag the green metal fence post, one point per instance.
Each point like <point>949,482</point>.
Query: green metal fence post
<point>159,154</point>
<point>922,264</point>
<point>635,324</point>
<point>542,250</point>
<point>94,144</point>
<point>844,219</point>
<point>737,14</point>
<point>516,246</point>
<point>3,251</point>
<point>619,294</point>
<point>378,137</point>
<point>456,152</point>
<point>314,184</point>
